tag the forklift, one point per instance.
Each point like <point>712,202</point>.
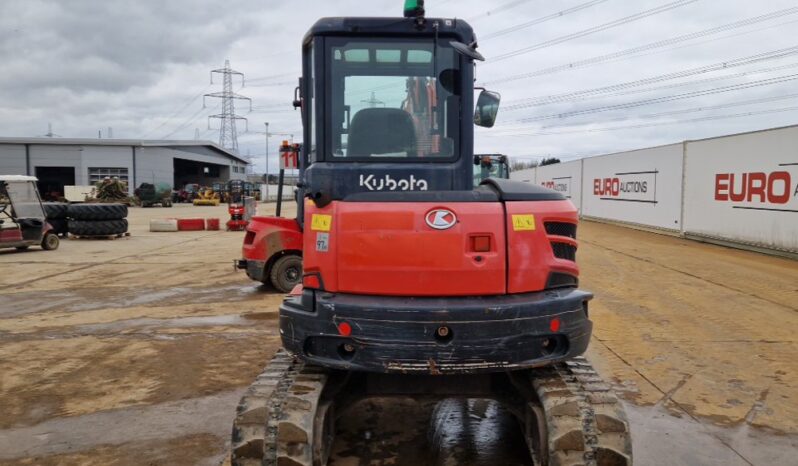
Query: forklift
<point>22,220</point>
<point>415,283</point>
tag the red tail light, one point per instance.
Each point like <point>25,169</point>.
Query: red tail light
<point>249,238</point>
<point>311,281</point>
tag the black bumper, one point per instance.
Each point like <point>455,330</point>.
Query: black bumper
<point>436,335</point>
<point>256,270</point>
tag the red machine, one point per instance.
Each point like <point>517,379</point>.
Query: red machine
<point>236,222</point>
<point>235,206</point>
<point>272,250</point>
<point>415,283</point>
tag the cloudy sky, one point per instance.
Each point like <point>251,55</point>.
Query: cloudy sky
<point>577,77</point>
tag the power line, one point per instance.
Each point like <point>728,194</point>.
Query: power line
<point>275,84</point>
<point>186,123</point>
<point>273,76</point>
<point>719,66</point>
<point>658,100</point>
<point>655,45</point>
<point>740,103</point>
<point>542,19</point>
<point>595,29</point>
<point>178,112</point>
<point>498,9</point>
<point>671,86</point>
<point>666,123</point>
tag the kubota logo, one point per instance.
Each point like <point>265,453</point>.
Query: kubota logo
<point>441,219</point>
<point>387,182</point>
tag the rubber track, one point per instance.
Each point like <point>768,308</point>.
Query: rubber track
<point>274,419</point>
<point>586,422</point>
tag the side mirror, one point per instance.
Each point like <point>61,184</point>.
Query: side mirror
<point>487,108</point>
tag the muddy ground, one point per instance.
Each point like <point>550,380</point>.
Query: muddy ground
<point>135,351</point>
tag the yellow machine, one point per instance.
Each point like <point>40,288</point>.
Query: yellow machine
<point>207,196</point>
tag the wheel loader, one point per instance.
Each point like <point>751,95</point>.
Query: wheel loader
<point>207,197</point>
<point>415,283</point>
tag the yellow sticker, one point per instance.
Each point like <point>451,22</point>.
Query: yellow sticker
<point>321,222</point>
<point>524,222</point>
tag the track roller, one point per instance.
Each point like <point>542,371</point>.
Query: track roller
<point>575,419</point>
<point>570,416</point>
<point>281,419</point>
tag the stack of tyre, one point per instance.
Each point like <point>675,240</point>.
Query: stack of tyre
<point>56,213</point>
<point>97,219</point>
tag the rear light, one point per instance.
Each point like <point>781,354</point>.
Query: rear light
<point>480,243</point>
<point>554,324</point>
<point>311,281</point>
<point>344,329</point>
<point>249,238</point>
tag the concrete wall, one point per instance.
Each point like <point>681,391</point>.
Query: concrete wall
<point>641,186</point>
<point>527,175</point>
<point>740,189</point>
<point>744,189</point>
<point>565,178</point>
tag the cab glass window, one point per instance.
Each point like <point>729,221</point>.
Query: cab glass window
<point>392,99</point>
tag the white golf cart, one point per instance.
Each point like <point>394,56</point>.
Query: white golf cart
<point>22,219</point>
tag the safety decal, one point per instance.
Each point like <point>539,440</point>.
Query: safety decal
<point>322,242</point>
<point>524,222</point>
<point>321,222</point>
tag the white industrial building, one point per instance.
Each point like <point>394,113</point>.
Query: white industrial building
<point>59,162</point>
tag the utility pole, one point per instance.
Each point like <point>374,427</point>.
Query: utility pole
<point>50,133</point>
<point>266,199</point>
<point>373,101</point>
<point>228,136</point>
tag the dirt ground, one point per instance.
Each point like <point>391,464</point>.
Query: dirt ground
<point>135,351</point>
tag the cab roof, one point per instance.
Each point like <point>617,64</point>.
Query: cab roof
<point>362,26</point>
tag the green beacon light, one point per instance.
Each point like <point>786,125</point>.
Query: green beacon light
<point>414,8</point>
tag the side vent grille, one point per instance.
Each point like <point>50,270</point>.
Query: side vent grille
<point>561,229</point>
<point>564,251</point>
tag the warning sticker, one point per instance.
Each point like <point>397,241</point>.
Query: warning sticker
<point>322,242</point>
<point>321,222</point>
<point>525,222</point>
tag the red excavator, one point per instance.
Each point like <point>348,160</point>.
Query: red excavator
<point>415,283</point>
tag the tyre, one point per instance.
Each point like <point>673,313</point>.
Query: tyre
<point>55,210</point>
<point>98,227</point>
<point>97,211</point>
<point>59,225</point>
<point>286,273</point>
<point>50,242</point>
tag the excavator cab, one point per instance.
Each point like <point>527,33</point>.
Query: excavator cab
<point>386,106</point>
<point>413,282</point>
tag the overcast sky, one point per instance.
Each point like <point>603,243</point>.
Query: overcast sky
<point>141,67</point>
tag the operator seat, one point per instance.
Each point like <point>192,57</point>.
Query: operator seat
<point>377,131</point>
